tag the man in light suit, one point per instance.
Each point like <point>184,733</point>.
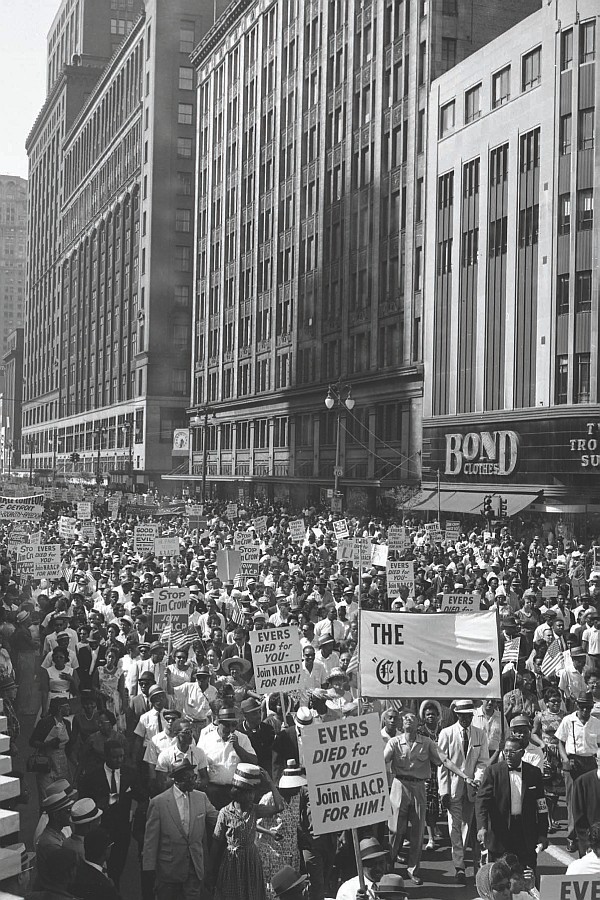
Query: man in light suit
<point>467,747</point>
<point>175,840</point>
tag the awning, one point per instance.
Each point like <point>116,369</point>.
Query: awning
<point>471,502</point>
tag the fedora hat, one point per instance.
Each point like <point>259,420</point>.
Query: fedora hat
<point>286,879</point>
<point>227,714</point>
<point>390,886</point>
<point>181,768</point>
<point>370,848</point>
<point>146,676</point>
<point>292,776</point>
<point>84,811</point>
<point>203,672</point>
<point>154,691</point>
<point>520,722</point>
<point>586,698</point>
<point>251,704</point>
<point>303,716</point>
<point>460,707</point>
<point>244,665</point>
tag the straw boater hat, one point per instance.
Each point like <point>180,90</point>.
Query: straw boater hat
<point>84,811</point>
<point>247,776</point>
<point>292,776</point>
<point>303,716</point>
<point>244,665</point>
<point>56,802</point>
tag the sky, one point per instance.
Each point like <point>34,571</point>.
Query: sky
<point>24,25</point>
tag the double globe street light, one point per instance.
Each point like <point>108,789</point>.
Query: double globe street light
<point>334,398</point>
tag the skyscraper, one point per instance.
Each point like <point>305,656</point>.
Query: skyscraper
<point>310,239</point>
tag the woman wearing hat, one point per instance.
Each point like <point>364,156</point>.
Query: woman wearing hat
<point>52,737</point>
<point>236,670</point>
<point>59,680</point>
<point>339,696</point>
<point>23,649</point>
<point>234,856</point>
<point>109,680</point>
<point>279,844</point>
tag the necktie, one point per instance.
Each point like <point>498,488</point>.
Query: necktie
<point>114,793</point>
<point>465,742</point>
<point>186,813</point>
<point>160,724</point>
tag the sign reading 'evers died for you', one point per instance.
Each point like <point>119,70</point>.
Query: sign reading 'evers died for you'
<point>347,784</point>
<point>403,655</point>
<point>570,887</point>
<point>277,659</point>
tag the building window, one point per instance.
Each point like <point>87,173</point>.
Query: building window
<point>183,259</point>
<point>499,164</point>
<point>566,128</point>
<point>566,50</point>
<point>582,378</point>
<point>583,291</point>
<point>183,220</point>
<point>562,378</point>
<point>185,114</point>
<point>181,296</point>
<point>564,214</point>
<point>179,382</point>
<point>585,210</point>
<point>447,116</point>
<point>473,104</point>
<point>281,431</point>
<point>186,78</point>
<point>562,294</point>
<point>531,69</point>
<point>448,53</point>
<point>501,87</point>
<point>586,129</point>
<point>186,37</point>
<point>184,148</point>
<point>449,7</point>
<point>184,184</point>
<point>587,42</point>
<point>498,237</point>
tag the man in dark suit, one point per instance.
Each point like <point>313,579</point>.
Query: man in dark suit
<point>90,882</point>
<point>89,657</point>
<point>586,806</point>
<point>510,807</point>
<point>240,648</point>
<point>114,787</point>
<point>287,743</point>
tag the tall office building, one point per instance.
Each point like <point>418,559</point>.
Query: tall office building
<point>13,255</point>
<point>108,338</point>
<point>310,238</point>
<point>512,388</point>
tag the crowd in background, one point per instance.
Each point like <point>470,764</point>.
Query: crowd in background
<point>164,740</point>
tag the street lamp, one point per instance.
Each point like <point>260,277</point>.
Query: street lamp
<point>333,398</point>
<point>30,443</point>
<point>128,431</point>
<point>101,430</point>
<point>195,422</point>
<point>55,442</point>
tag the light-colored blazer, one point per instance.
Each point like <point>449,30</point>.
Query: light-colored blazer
<point>475,764</point>
<point>168,850</point>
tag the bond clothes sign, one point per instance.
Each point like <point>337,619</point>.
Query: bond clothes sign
<point>277,659</point>
<point>345,770</point>
<point>403,655</point>
<point>481,453</point>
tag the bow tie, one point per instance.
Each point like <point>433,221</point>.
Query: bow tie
<point>515,769</point>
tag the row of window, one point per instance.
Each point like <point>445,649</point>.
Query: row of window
<point>585,211</point>
<point>581,378</point>
<point>583,292</point>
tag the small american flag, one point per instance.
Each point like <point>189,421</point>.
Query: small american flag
<point>353,664</point>
<point>237,615</point>
<point>182,640</point>
<point>511,651</point>
<point>553,661</point>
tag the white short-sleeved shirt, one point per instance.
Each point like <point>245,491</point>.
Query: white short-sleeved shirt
<point>221,755</point>
<point>172,756</point>
<point>579,739</point>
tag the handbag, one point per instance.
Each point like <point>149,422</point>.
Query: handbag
<point>38,762</point>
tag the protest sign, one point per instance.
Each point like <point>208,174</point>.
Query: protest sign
<point>166,546</point>
<point>347,783</point>
<point>261,524</point>
<point>596,557</point>
<point>84,511</point>
<point>113,504</point>
<point>39,560</point>
<point>459,603</point>
<point>88,531</point>
<point>398,539</point>
<point>170,607</point>
<point>277,659</point>
<point>452,534</point>
<point>404,655</point>
<point>242,539</point>
<point>25,513</point>
<point>353,549</point>
<point>341,529</point>
<point>400,574</point>
<point>143,538</point>
<point>232,511</point>
<point>229,563</point>
<point>433,532</point>
<point>67,527</point>
<point>549,591</point>
<point>570,887</point>
<point>249,562</point>
<point>35,537</point>
<point>379,555</point>
<point>297,530</point>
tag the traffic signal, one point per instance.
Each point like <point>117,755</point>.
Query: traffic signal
<point>487,507</point>
<point>502,508</point>
<point>74,457</point>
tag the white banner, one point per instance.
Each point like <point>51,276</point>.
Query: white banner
<point>459,603</point>
<point>84,511</point>
<point>341,529</point>
<point>277,659</point>
<point>347,783</point>
<point>400,574</point>
<point>166,546</point>
<point>67,527</point>
<point>379,555</point>
<point>26,513</point>
<point>143,538</point>
<point>406,655</point>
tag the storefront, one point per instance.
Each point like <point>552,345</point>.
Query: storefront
<point>547,466</point>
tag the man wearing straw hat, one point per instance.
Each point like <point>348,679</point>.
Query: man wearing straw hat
<point>58,808</point>
<point>85,816</point>
<point>224,747</point>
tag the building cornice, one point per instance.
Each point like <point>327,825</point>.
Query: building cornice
<point>219,30</point>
